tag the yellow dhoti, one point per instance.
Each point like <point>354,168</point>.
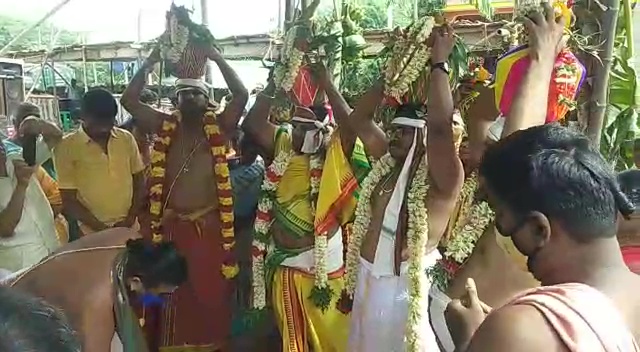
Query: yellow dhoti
<point>304,327</point>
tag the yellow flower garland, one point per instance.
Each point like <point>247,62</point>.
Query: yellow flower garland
<point>217,144</point>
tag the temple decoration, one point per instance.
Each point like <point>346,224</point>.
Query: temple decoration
<point>567,77</point>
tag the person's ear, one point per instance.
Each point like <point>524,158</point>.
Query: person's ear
<point>135,284</point>
<point>541,228</point>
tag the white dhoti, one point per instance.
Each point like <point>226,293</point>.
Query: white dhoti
<point>438,302</point>
<point>380,311</point>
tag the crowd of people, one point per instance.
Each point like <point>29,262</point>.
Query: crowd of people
<point>214,228</point>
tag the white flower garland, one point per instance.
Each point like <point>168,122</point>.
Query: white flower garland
<point>285,74</point>
<point>408,58</point>
<point>417,235</point>
<point>178,39</point>
<point>262,226</point>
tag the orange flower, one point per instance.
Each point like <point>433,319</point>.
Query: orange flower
<point>155,208</point>
<point>157,172</point>
<point>156,238</point>
<point>156,189</point>
<point>228,246</point>
<point>230,271</point>
<point>157,157</point>
<point>227,233</point>
<point>168,126</point>
<point>226,201</point>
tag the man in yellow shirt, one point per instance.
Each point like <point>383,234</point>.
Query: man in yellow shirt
<point>100,171</point>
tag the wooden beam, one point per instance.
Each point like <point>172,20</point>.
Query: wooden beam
<point>248,47</point>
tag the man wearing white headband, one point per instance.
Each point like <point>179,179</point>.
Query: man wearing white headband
<point>190,201</point>
<point>308,197</point>
<point>402,213</point>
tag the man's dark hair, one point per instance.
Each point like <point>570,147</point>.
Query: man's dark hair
<point>410,110</point>
<point>557,172</point>
<point>29,324</point>
<point>320,111</point>
<point>25,109</point>
<point>100,104</point>
<point>148,97</point>
<point>630,185</point>
<point>155,264</point>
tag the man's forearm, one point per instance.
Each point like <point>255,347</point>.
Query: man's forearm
<point>138,196</point>
<point>341,109</point>
<point>529,107</point>
<point>230,76</point>
<point>11,215</point>
<point>440,99</point>
<point>79,212</point>
<point>136,85</point>
<point>51,133</point>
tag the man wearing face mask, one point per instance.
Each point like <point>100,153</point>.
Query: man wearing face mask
<point>112,270</point>
<point>100,171</point>
<point>559,205</point>
<point>308,198</point>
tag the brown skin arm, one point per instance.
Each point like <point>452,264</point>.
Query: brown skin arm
<point>482,113</point>
<point>256,124</point>
<point>341,110</point>
<point>233,111</point>
<point>515,328</point>
<point>11,215</point>
<point>148,119</point>
<point>445,168</point>
<point>361,120</point>
<point>76,209</point>
<point>529,107</point>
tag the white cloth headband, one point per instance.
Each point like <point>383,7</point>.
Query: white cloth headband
<point>319,124</point>
<point>183,84</point>
<point>409,122</point>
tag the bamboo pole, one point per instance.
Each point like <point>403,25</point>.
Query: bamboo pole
<point>599,97</point>
<point>52,45</point>
<point>21,35</point>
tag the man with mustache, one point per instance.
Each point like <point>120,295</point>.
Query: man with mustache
<point>190,199</point>
<point>100,172</point>
<point>402,213</point>
<point>308,200</point>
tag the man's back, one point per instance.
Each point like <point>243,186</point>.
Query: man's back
<point>77,279</point>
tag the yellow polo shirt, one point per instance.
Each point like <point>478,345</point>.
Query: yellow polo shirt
<point>104,181</point>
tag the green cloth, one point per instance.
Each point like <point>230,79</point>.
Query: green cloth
<point>127,322</point>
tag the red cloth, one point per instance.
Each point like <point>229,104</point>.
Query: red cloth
<point>631,255</point>
<point>200,311</point>
<point>304,89</point>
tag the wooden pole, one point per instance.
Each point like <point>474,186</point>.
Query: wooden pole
<point>33,26</point>
<point>599,97</point>
<point>208,76</point>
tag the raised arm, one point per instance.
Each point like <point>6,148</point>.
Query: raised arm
<point>233,110</point>
<point>445,168</point>
<point>148,118</point>
<point>529,107</point>
<point>10,216</point>
<point>341,110</point>
<point>481,114</point>
<point>361,121</point>
<point>256,124</point>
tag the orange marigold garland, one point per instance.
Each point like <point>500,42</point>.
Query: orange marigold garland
<point>223,184</point>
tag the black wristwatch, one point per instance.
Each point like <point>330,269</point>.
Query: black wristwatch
<point>444,66</point>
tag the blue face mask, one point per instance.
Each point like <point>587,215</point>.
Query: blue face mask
<point>150,300</point>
